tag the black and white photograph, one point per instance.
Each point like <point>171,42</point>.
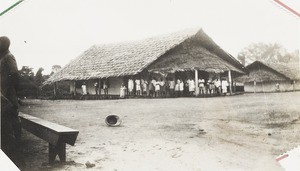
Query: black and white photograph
<point>150,85</point>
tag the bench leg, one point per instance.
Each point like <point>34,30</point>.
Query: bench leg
<point>59,149</point>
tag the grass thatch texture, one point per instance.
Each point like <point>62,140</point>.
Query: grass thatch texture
<point>130,58</point>
<point>191,55</point>
<point>262,71</point>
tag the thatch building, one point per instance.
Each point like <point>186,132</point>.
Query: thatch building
<point>271,77</point>
<point>186,51</point>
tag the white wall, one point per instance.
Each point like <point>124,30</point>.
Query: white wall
<point>114,86</point>
<point>270,86</point>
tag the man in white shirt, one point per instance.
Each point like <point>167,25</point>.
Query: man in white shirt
<point>201,86</point>
<point>191,83</point>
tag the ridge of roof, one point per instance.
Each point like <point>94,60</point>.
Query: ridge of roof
<point>130,57</point>
<point>286,70</point>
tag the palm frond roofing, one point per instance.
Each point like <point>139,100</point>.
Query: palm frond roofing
<point>285,71</point>
<point>291,71</point>
<point>127,58</point>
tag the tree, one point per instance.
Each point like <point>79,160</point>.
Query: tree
<point>271,53</point>
<point>39,79</point>
<point>295,56</point>
<point>55,68</point>
<point>27,86</point>
<point>26,72</point>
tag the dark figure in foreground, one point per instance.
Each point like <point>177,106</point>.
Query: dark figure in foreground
<point>10,124</point>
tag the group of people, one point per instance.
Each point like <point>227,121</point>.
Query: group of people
<point>104,87</point>
<point>97,88</point>
<point>171,87</point>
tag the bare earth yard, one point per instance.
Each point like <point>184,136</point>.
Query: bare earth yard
<point>182,134</point>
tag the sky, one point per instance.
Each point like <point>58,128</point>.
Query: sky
<point>53,32</point>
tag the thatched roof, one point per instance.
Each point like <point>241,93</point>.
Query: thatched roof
<point>262,71</point>
<point>130,58</point>
<point>198,52</point>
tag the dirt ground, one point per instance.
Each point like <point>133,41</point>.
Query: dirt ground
<point>242,132</point>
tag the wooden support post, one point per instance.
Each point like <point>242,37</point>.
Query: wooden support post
<point>100,88</point>
<point>234,86</point>
<point>196,83</point>
<point>254,84</point>
<point>230,82</point>
<point>87,87</point>
<point>220,86</point>
<point>294,82</point>
<point>59,149</point>
<point>55,90</point>
<point>74,83</point>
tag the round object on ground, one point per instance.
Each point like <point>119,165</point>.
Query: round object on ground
<point>89,164</point>
<point>113,120</point>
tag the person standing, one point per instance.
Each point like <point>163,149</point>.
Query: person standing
<point>177,88</point>
<point>201,85</point>
<point>217,86</point>
<point>191,87</point>
<point>83,88</point>
<point>83,91</point>
<point>122,91</point>
<point>224,86</point>
<point>138,87</point>
<point>277,87</point>
<point>130,86</point>
<point>96,87</point>
<point>162,88</point>
<point>105,87</point>
<point>10,123</point>
<point>172,87</point>
<point>210,86</point>
<point>157,89</point>
<point>152,87</point>
<point>181,87</point>
<point>144,87</point>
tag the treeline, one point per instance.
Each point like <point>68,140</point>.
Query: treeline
<point>269,53</point>
<point>30,83</point>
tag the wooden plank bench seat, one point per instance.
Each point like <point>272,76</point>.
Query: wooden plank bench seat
<point>56,135</point>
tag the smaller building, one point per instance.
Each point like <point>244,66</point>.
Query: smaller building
<point>271,77</point>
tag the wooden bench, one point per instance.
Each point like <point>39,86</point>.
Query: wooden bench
<point>56,135</point>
